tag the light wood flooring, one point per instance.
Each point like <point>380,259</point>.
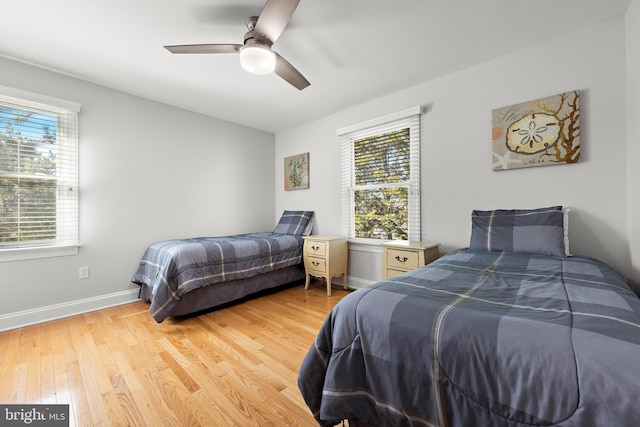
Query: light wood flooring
<point>235,366</point>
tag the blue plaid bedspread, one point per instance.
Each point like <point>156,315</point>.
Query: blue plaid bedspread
<point>175,267</point>
<point>481,339</point>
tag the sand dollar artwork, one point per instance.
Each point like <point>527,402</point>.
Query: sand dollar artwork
<point>545,131</point>
<point>533,133</point>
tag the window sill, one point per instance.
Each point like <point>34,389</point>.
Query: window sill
<point>367,245</point>
<point>38,252</point>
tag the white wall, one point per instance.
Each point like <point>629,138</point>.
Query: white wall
<point>457,174</point>
<point>148,172</point>
<point>633,133</point>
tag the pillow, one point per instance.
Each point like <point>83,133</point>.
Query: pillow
<point>298,223</point>
<point>538,231</point>
<point>565,223</point>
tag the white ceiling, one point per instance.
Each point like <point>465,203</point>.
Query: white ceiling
<point>351,51</point>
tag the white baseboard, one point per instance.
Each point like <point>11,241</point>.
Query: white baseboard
<point>34,316</point>
<point>58,311</point>
<point>357,283</point>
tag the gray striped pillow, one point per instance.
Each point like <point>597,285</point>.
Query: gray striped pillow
<point>298,223</point>
<point>538,231</point>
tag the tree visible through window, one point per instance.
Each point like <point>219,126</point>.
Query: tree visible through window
<point>27,198</point>
<point>381,193</point>
<point>381,178</point>
<point>38,175</point>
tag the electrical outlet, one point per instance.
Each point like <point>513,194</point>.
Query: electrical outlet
<point>83,273</point>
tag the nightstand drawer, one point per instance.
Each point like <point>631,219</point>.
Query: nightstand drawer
<point>315,248</point>
<point>403,259</point>
<point>393,273</point>
<point>316,265</point>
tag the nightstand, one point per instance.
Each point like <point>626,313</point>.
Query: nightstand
<point>401,256</point>
<point>325,256</point>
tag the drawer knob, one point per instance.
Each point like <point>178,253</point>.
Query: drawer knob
<point>315,263</point>
<point>403,259</point>
<point>315,248</point>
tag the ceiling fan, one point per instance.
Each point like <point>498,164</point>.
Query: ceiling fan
<point>256,55</point>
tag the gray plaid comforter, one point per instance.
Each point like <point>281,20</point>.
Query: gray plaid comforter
<point>175,267</point>
<point>481,339</point>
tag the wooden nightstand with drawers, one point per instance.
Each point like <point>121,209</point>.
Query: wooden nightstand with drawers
<point>401,256</point>
<point>325,256</point>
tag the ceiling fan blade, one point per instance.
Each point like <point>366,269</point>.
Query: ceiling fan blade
<point>204,48</point>
<point>274,17</point>
<point>289,73</point>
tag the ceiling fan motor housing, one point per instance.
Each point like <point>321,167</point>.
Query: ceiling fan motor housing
<point>250,22</point>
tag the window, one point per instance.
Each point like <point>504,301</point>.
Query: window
<point>381,177</point>
<point>38,175</point>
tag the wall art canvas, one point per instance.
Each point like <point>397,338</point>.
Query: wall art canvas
<point>542,132</point>
<point>296,172</point>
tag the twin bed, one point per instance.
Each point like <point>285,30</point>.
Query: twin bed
<point>509,332</point>
<point>185,276</point>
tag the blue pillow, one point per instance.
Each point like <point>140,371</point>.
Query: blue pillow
<point>298,223</point>
<point>537,231</point>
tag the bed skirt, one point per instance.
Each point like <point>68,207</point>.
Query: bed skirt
<point>221,293</point>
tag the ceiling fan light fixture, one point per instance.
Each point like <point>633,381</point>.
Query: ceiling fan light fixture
<point>257,58</point>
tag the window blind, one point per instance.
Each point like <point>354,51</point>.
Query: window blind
<point>381,154</point>
<point>382,159</point>
<point>38,171</point>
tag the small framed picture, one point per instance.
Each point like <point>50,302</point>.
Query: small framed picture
<point>296,172</point>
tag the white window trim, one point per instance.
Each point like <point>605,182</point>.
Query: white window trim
<point>19,254</point>
<point>374,126</point>
<point>38,98</point>
<point>42,251</point>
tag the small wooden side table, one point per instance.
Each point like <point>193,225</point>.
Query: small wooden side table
<point>401,256</point>
<point>325,256</point>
